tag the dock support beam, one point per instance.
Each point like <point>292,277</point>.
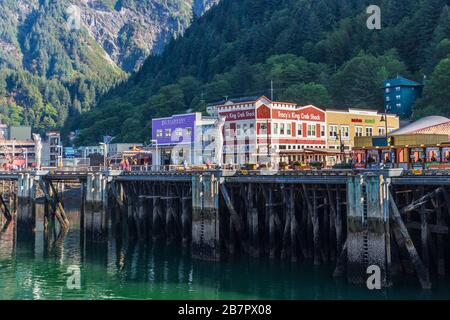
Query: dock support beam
<point>26,213</point>
<point>366,237</point>
<point>95,211</point>
<point>205,217</point>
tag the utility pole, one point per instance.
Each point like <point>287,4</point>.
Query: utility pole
<point>271,90</point>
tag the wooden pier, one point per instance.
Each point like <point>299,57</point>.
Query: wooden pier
<point>350,220</point>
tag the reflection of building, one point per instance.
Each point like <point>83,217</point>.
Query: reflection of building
<point>181,138</point>
<point>400,95</point>
<point>344,125</point>
<point>52,150</point>
<point>258,129</point>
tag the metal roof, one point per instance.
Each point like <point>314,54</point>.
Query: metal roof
<point>428,125</point>
<point>400,81</point>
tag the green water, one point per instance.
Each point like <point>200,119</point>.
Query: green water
<point>34,269</point>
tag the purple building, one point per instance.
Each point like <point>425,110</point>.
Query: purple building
<point>175,129</point>
<point>181,137</point>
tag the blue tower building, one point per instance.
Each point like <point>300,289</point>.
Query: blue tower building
<point>400,95</point>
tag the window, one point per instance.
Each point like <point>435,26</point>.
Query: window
<point>282,128</point>
<point>358,132</point>
<point>333,132</point>
<point>369,131</point>
<point>388,98</point>
<point>398,97</point>
<point>188,131</point>
<point>345,132</point>
<point>322,131</point>
<point>251,129</point>
<point>388,90</point>
<point>159,133</point>
<point>238,130</point>
<point>227,130</point>
<point>399,105</point>
<point>311,130</point>
<point>168,132</point>
<point>289,129</point>
<point>275,128</point>
<point>263,128</point>
<point>390,130</point>
<point>381,131</point>
<point>397,89</point>
<point>245,129</point>
<point>178,132</point>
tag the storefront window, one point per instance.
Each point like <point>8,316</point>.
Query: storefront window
<point>417,155</point>
<point>446,154</point>
<point>433,155</point>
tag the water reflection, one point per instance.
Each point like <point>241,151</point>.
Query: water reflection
<point>33,265</point>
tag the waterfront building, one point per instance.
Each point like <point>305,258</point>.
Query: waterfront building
<point>86,151</point>
<point>182,138</point>
<point>343,125</point>
<point>118,148</point>
<point>52,150</point>
<point>425,141</point>
<point>257,130</point>
<point>17,148</point>
<point>400,95</point>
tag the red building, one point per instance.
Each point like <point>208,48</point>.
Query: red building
<point>257,130</point>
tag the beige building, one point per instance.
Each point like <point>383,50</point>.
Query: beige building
<point>346,124</point>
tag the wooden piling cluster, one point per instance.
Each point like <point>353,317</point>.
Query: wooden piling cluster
<point>293,222</point>
<point>367,221</point>
<point>160,212</point>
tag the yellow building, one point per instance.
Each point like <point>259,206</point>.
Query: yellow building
<point>346,124</point>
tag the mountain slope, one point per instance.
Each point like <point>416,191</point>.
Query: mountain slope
<point>314,51</point>
<point>58,56</point>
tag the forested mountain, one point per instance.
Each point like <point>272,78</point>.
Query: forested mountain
<point>314,51</point>
<point>58,56</point>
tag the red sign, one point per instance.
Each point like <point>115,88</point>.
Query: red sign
<point>239,115</point>
<point>357,120</point>
<point>305,114</point>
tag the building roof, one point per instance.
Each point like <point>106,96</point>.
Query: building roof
<point>400,81</point>
<point>427,125</point>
